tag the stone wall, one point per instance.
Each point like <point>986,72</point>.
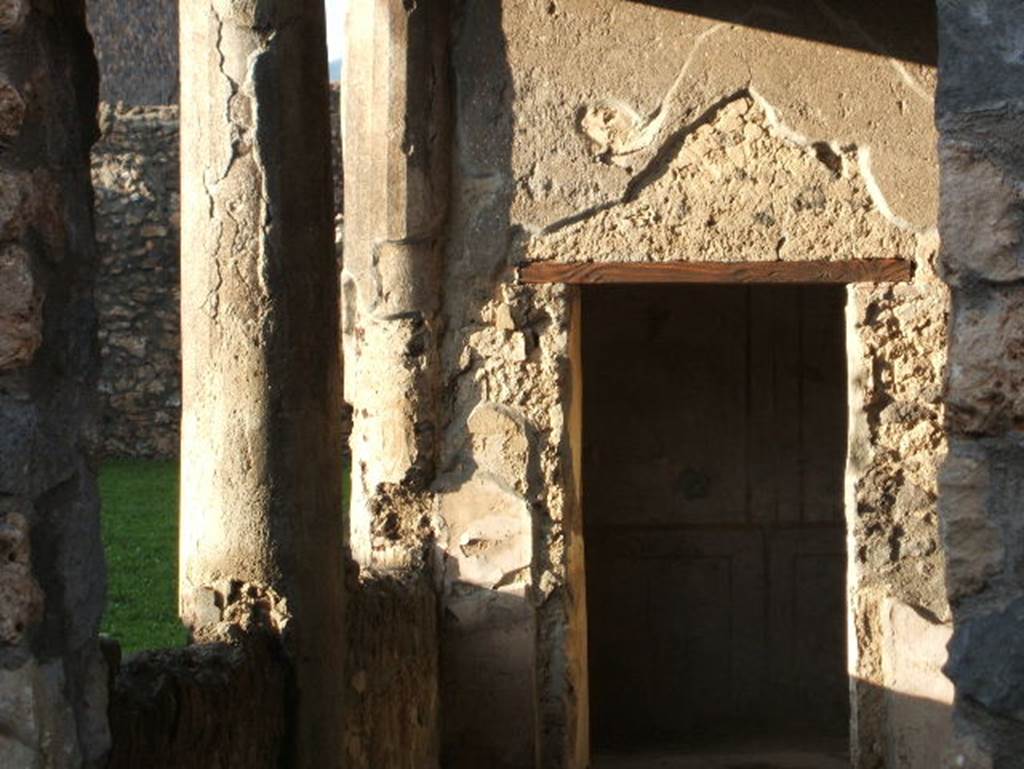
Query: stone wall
<point>391,696</point>
<point>226,702</point>
<point>53,679</point>
<point>980,112</point>
<point>135,177</point>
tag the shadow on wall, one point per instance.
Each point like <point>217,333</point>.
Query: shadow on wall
<point>229,702</point>
<point>492,648</point>
<point>889,29</point>
<point>494,639</point>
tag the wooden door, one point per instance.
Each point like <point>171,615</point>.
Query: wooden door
<point>714,434</point>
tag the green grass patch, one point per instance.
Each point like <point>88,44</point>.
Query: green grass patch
<point>140,536</point>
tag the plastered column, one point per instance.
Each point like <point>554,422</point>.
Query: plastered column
<point>396,157</point>
<point>261,528</point>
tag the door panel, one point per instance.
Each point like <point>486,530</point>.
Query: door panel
<point>714,433</point>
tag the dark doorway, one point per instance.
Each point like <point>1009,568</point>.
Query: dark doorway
<point>714,457</point>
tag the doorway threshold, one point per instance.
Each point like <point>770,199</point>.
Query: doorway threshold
<point>768,755</point>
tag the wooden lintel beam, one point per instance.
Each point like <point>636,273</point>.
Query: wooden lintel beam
<point>810,272</point>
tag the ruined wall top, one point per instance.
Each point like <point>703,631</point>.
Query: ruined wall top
<point>137,48</point>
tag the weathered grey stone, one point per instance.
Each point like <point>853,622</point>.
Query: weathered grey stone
<point>20,730</point>
<point>983,217</point>
<point>21,308</point>
<point>12,112</point>
<point>20,594</point>
<point>16,754</point>
<point>12,14</point>
<point>985,385</point>
<point>972,541</point>
<point>986,660</point>
<point>52,575</point>
<point>979,57</point>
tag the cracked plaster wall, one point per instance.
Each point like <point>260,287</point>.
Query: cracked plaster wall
<point>620,131</point>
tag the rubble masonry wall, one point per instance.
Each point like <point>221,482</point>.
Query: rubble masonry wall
<point>53,678</point>
<point>979,114</point>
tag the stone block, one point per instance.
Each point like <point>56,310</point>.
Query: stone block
<point>982,217</point>
<point>919,698</point>
<point>500,443</point>
<point>12,111</point>
<point>986,660</point>
<point>15,191</point>
<point>16,755</point>
<point>17,702</point>
<point>973,543</point>
<point>21,309</point>
<point>21,598</point>
<point>12,14</point>
<point>985,385</point>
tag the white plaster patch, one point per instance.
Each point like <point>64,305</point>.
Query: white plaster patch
<point>489,534</point>
<point>919,697</point>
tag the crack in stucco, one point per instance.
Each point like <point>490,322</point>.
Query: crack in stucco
<point>672,144</point>
<point>861,152</point>
<point>642,132</point>
<point>242,122</point>
<point>738,150</point>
